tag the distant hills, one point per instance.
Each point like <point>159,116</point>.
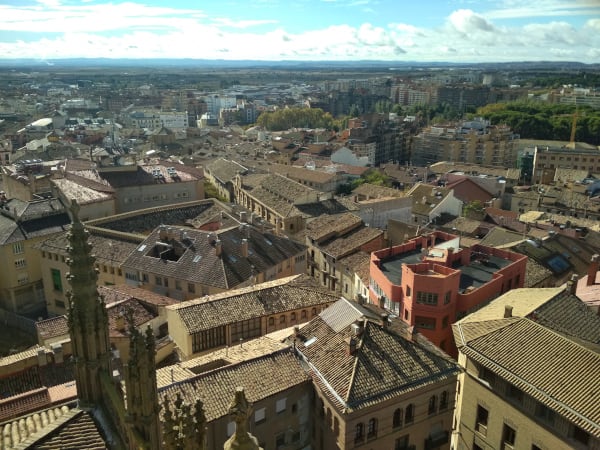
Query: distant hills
<point>287,65</point>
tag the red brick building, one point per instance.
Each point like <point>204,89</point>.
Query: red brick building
<point>430,282</point>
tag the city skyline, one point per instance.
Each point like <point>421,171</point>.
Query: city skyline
<point>309,30</point>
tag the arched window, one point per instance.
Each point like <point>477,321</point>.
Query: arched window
<point>409,414</point>
<point>303,314</point>
<point>372,428</point>
<point>282,319</point>
<point>293,317</point>
<point>314,312</point>
<point>432,405</point>
<point>358,432</point>
<point>397,419</point>
<point>444,400</point>
<point>271,321</point>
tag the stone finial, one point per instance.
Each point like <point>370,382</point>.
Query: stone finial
<point>240,410</point>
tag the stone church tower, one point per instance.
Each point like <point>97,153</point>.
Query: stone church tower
<point>142,393</point>
<point>88,321</point>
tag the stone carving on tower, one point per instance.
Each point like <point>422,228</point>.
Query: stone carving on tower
<point>140,385</point>
<point>184,426</point>
<point>240,410</point>
<point>88,320</point>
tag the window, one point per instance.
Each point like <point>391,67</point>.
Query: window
<point>303,314</point>
<point>487,375</point>
<point>20,263</point>
<point>481,421</point>
<point>191,288</point>
<point>535,447</point>
<point>508,436</point>
<point>408,291</point>
<point>144,277</point>
<point>409,414</point>
<point>427,298</point>
<point>18,248</point>
<point>397,419</point>
<point>432,407</point>
<point>281,319</point>
<point>260,415</point>
<point>580,435</point>
<point>445,322</point>
<point>544,413</point>
<point>427,323</point>
<point>230,429</point>
<point>514,393</point>
<point>178,285</point>
<point>280,440</point>
<point>56,280</point>
<point>406,314</point>
<point>358,432</point>
<point>158,281</point>
<point>444,400</point>
<point>293,317</point>
<point>372,428</point>
<point>447,297</point>
<point>314,312</point>
<point>271,321</point>
<point>59,303</point>
<point>401,443</point>
<point>280,405</point>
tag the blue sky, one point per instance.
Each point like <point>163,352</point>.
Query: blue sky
<point>395,30</point>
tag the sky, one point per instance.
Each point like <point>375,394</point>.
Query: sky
<point>310,30</point>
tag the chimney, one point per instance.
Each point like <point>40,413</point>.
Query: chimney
<point>245,248</point>
<point>350,345</point>
<point>572,284</point>
<point>592,270</point>
<point>385,320</point>
<point>508,311</point>
<point>120,322</point>
<point>218,247</point>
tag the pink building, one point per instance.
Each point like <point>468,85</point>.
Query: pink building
<point>430,282</point>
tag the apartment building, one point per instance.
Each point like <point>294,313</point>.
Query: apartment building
<point>431,281</point>
<point>473,142</point>
<point>530,373</point>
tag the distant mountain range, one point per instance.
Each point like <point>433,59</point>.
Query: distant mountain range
<point>297,65</point>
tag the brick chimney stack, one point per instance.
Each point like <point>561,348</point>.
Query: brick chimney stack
<point>593,269</point>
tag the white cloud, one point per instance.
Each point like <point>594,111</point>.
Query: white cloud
<point>514,9</point>
<point>133,30</point>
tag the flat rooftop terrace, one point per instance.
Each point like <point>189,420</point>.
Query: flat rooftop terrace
<point>477,273</point>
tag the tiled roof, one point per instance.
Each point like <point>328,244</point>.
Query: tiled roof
<point>77,432</point>
<point>140,222</point>
<point>331,225</point>
<point>284,188</point>
<point>359,263</point>
<point>196,260</point>
<point>225,170</point>
<point>83,194</point>
<point>301,173</point>
<point>260,378</point>
<point>535,273</point>
<point>107,249</point>
<point>53,327</point>
<point>250,349</point>
<point>499,237</point>
<point>373,191</point>
<point>272,297</point>
<point>141,315</point>
<point>553,369</point>
<point>123,292</point>
<point>425,191</point>
<point>351,242</point>
<point>385,364</point>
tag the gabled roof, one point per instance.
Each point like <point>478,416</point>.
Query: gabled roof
<point>272,297</point>
<point>548,347</point>
<point>385,364</point>
<point>261,378</point>
<point>225,170</point>
<point>426,197</point>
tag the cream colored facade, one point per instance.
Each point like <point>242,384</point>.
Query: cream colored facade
<point>21,289</point>
<point>382,427</point>
<point>487,405</point>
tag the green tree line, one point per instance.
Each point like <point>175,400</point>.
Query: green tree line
<point>536,120</point>
<point>284,119</point>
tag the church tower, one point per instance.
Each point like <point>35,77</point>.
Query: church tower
<point>141,390</point>
<point>88,321</point>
